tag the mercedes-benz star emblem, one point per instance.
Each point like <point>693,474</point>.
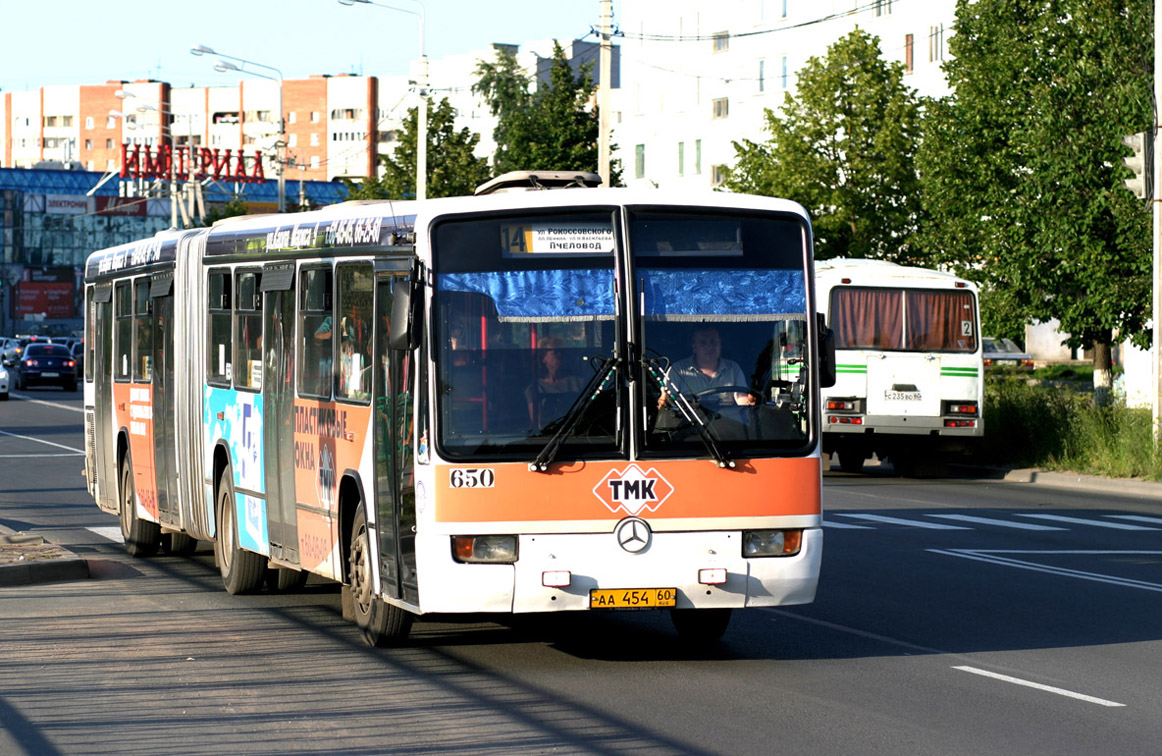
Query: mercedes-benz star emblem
<point>633,534</point>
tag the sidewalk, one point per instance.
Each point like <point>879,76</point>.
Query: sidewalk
<point>1146,489</point>
<point>29,559</point>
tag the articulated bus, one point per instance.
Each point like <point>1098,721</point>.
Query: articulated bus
<point>909,373</point>
<point>472,405</point>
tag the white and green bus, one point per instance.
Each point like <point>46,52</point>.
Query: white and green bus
<point>909,373</point>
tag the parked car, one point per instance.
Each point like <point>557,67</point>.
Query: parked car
<point>4,378</point>
<point>1005,353</point>
<point>46,364</point>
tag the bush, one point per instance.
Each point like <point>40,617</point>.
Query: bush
<point>1059,428</point>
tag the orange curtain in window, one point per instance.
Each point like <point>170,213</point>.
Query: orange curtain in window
<point>867,318</point>
<point>941,321</point>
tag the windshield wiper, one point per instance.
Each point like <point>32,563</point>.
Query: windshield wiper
<point>660,374</point>
<point>606,368</point>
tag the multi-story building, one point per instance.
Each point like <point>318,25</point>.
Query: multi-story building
<point>700,77</point>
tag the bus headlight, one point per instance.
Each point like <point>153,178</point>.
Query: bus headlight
<point>490,549</point>
<point>768,543</point>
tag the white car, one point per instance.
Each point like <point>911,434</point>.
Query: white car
<point>3,383</point>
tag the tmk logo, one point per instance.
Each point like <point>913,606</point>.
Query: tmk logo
<point>633,490</point>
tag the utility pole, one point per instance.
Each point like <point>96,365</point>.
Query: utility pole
<point>1156,206</point>
<point>605,80</point>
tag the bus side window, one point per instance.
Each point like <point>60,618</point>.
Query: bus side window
<point>218,343</point>
<point>355,319</point>
<point>143,326</point>
<point>316,332</point>
<point>248,332</point>
<point>123,313</point>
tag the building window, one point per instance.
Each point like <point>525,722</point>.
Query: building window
<point>784,8</point>
<point>89,122</point>
<point>314,116</point>
<point>883,7</point>
<point>681,158</point>
<point>49,122</point>
<point>292,140</point>
<point>67,121</point>
<point>717,175</point>
<point>291,116</point>
<point>639,161</point>
<point>936,43</point>
<point>908,53</point>
<point>762,75</point>
<point>721,107</point>
<point>721,42</point>
<point>314,140</point>
<point>108,144</point>
<point>88,144</point>
<point>698,157</point>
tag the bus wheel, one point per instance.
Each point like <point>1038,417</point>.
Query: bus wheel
<point>380,623</point>
<point>851,461</point>
<point>285,579</point>
<point>700,627</point>
<point>242,571</point>
<point>178,544</point>
<point>141,536</point>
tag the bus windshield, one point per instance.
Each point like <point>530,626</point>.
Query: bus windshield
<point>723,301</point>
<point>910,320</point>
<point>524,318</point>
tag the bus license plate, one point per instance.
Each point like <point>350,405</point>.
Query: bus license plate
<point>632,598</point>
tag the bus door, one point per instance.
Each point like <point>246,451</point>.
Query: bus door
<point>104,425</point>
<point>278,404</point>
<point>394,481</point>
<point>164,446</point>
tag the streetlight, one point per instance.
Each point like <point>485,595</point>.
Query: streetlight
<point>223,66</point>
<point>422,86</point>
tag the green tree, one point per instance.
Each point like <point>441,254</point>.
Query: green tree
<point>554,128</point>
<point>452,168</point>
<point>217,212</point>
<point>1022,166</point>
<point>844,148</point>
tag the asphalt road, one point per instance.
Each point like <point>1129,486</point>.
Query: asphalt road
<point>953,617</point>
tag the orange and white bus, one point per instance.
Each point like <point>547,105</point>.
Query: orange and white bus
<point>522,401</point>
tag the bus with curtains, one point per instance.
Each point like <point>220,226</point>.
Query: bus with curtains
<point>582,399</point>
<point>909,370</point>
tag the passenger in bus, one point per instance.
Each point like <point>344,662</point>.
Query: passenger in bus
<point>706,369</point>
<point>551,395</point>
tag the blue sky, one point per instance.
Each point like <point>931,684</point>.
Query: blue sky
<point>87,42</point>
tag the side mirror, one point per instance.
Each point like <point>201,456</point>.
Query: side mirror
<point>826,353</point>
<point>405,315</point>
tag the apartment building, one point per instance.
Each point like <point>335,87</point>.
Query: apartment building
<point>700,76</point>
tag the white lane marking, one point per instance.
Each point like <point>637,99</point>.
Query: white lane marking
<point>991,557</point>
<point>1039,686</point>
<point>991,521</point>
<point>845,525</point>
<point>113,534</point>
<point>26,398</point>
<point>1138,518</point>
<point>1084,521</point>
<point>901,521</point>
<point>42,441</point>
<point>38,456</point>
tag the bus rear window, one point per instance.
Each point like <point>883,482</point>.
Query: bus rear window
<point>896,319</point>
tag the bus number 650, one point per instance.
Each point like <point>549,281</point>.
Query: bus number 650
<point>473,477</point>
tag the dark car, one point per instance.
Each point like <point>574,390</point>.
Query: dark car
<point>46,365</point>
<point>1004,353</point>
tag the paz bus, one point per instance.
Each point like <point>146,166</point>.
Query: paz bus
<point>909,373</point>
<point>470,405</point>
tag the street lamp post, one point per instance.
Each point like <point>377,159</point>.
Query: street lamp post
<point>222,66</point>
<point>422,87</point>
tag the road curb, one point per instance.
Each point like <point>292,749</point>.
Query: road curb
<point>1076,481</point>
<point>26,558</point>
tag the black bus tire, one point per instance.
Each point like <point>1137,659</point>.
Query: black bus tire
<point>380,623</point>
<point>242,571</point>
<point>141,536</point>
<point>178,544</point>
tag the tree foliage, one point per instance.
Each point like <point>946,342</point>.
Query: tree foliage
<point>844,148</point>
<point>1022,165</point>
<point>453,170</point>
<point>552,128</point>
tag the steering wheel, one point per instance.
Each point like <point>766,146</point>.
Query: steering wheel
<point>728,390</point>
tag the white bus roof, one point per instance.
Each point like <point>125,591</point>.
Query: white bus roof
<point>883,273</point>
